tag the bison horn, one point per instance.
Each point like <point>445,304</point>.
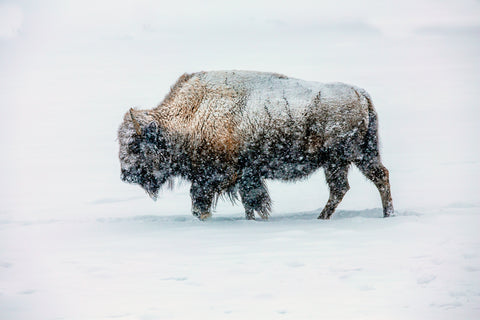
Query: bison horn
<point>138,129</point>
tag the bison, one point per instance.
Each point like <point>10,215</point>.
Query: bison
<point>228,131</point>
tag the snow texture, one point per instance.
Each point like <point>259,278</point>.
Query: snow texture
<point>78,243</point>
<point>274,97</point>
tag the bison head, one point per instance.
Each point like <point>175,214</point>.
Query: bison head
<point>144,156</point>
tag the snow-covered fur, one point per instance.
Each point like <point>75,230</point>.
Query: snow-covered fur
<point>228,131</point>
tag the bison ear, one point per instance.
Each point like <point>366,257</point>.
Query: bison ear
<point>138,129</point>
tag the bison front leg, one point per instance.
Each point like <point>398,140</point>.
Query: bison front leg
<point>254,195</point>
<point>202,197</point>
<point>336,175</point>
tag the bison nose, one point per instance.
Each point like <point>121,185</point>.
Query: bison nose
<point>123,175</point>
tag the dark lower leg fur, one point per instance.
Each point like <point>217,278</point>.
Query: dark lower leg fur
<point>378,174</point>
<point>202,197</point>
<point>370,164</point>
<point>336,175</point>
<point>254,195</point>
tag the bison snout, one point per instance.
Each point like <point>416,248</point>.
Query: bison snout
<point>123,175</point>
<point>127,176</point>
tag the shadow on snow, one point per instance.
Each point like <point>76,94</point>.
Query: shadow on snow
<point>374,213</point>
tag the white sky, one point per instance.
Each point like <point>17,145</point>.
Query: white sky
<point>390,17</point>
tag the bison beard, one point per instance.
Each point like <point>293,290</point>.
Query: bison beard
<point>228,131</point>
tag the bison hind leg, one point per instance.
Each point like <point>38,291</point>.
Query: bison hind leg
<point>336,175</point>
<point>254,195</point>
<point>374,170</point>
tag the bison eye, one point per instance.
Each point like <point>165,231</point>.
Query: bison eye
<point>151,137</point>
<point>150,134</point>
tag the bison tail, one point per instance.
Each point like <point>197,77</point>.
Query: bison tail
<point>371,149</point>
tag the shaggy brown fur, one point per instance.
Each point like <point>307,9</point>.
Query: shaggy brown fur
<point>228,131</point>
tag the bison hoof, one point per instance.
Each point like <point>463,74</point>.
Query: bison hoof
<point>388,214</point>
<point>204,216</point>
<point>249,214</point>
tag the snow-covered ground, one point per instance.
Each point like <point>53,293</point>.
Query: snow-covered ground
<point>77,243</point>
<point>357,266</point>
